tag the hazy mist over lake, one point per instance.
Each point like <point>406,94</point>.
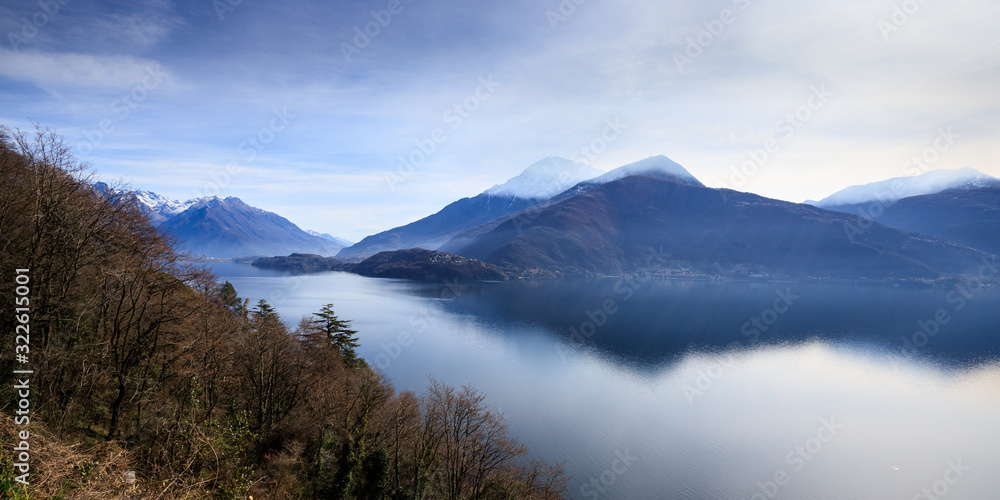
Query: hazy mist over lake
<point>668,394</point>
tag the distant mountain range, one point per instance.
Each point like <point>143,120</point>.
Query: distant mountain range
<point>962,206</point>
<point>227,227</point>
<point>969,217</point>
<point>540,182</point>
<point>340,241</point>
<point>654,216</point>
<point>537,183</point>
<point>645,223</point>
<point>560,217</point>
<point>860,199</point>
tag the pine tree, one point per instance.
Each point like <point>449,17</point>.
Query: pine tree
<point>264,312</point>
<point>231,300</point>
<point>340,335</point>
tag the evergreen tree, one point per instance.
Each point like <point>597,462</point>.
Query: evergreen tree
<point>339,334</point>
<point>264,312</point>
<point>231,300</point>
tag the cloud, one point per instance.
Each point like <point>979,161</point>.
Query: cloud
<point>605,60</point>
<point>53,71</point>
<point>136,31</point>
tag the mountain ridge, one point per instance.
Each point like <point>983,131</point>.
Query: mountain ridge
<point>553,173</point>
<point>969,217</point>
<point>696,230</point>
<point>885,193</point>
<point>560,178</point>
<point>218,227</point>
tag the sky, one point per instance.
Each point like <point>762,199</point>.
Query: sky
<point>352,117</point>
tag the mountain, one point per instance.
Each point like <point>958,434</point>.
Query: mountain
<point>537,183</point>
<point>859,199</point>
<point>544,179</point>
<point>412,263</point>
<point>226,227</point>
<point>340,241</point>
<point>155,207</point>
<point>159,208</point>
<point>426,265</point>
<point>969,217</point>
<point>300,263</point>
<point>654,223</point>
<point>657,166</point>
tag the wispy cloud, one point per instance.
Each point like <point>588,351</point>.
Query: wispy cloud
<point>55,71</point>
<point>355,118</point>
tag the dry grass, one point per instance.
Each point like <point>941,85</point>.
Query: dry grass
<point>88,471</point>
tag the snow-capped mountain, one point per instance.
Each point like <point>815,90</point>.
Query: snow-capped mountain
<point>226,227</point>
<point>161,205</point>
<point>890,191</point>
<point>535,184</point>
<point>609,228</point>
<point>326,236</point>
<point>543,182</point>
<point>660,166</point>
<point>545,179</point>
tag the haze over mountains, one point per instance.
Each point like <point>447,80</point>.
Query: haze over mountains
<point>969,217</point>
<point>537,183</point>
<point>652,216</point>
<point>961,205</point>
<point>540,182</point>
<point>887,192</point>
<point>227,227</point>
<point>649,223</point>
<point>340,241</point>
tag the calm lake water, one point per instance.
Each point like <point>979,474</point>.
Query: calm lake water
<point>693,390</point>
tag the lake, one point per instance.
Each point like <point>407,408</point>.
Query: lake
<point>655,389</point>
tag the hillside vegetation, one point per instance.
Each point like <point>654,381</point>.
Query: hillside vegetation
<point>152,380</point>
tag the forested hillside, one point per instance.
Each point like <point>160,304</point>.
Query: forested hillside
<point>151,380</point>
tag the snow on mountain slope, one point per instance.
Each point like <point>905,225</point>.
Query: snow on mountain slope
<point>161,204</point>
<point>545,179</point>
<point>226,227</point>
<point>538,182</point>
<point>326,236</point>
<point>653,165</point>
<point>892,190</point>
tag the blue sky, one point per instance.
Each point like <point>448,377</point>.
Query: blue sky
<point>288,107</point>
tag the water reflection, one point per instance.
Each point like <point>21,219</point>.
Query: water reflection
<point>652,322</point>
<point>668,398</point>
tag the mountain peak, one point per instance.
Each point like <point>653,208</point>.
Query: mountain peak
<point>326,236</point>
<point>655,165</point>
<point>892,190</point>
<point>544,179</point>
<point>218,201</point>
<point>225,227</point>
